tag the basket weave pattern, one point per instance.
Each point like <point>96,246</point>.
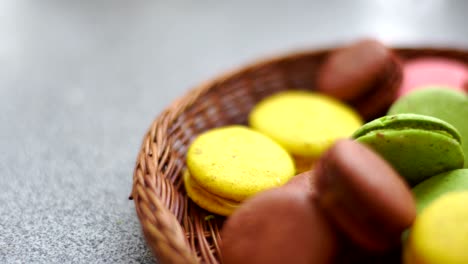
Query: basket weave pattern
<point>176,229</point>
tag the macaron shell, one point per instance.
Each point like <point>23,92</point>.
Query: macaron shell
<point>416,153</point>
<point>431,189</point>
<point>304,123</point>
<point>236,162</point>
<point>352,70</point>
<point>439,232</point>
<point>419,73</point>
<point>448,105</point>
<point>206,200</point>
<point>376,102</point>
<point>277,226</point>
<point>302,182</point>
<point>363,195</point>
<point>409,120</point>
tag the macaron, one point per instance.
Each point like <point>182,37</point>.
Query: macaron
<point>421,72</point>
<point>417,146</point>
<point>229,164</point>
<point>439,234</point>
<point>302,182</point>
<point>209,201</point>
<point>431,189</point>
<point>443,103</point>
<point>304,123</point>
<point>365,74</point>
<point>363,196</point>
<point>280,225</point>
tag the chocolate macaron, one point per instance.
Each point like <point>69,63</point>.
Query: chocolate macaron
<point>281,225</point>
<point>365,74</point>
<point>363,196</point>
<point>303,182</point>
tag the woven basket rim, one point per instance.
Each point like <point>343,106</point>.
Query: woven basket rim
<point>272,58</point>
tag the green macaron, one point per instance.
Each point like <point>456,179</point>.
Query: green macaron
<point>437,101</point>
<point>417,146</point>
<point>429,190</point>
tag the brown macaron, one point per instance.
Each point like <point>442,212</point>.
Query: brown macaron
<point>364,196</point>
<point>281,225</point>
<point>302,182</point>
<point>365,74</point>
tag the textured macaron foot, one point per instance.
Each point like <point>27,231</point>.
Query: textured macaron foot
<point>363,195</point>
<point>365,74</point>
<point>280,226</point>
<point>417,146</point>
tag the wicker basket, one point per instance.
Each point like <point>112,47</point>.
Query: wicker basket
<point>176,229</point>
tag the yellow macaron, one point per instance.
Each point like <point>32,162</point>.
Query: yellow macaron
<point>229,164</point>
<point>304,123</point>
<point>209,201</point>
<point>440,232</point>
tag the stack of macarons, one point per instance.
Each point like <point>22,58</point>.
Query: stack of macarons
<point>288,132</point>
<point>310,219</point>
<point>229,164</point>
<point>358,185</point>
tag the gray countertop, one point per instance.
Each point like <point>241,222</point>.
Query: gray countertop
<point>81,81</point>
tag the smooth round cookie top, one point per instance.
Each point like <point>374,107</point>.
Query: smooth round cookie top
<point>351,71</point>
<point>439,234</point>
<point>443,103</point>
<point>236,162</point>
<point>434,187</point>
<point>304,123</point>
<point>421,72</point>
<point>363,195</point>
<point>281,225</point>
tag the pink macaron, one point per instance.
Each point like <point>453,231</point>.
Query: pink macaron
<point>421,72</point>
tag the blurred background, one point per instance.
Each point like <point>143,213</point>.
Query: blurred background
<point>81,81</point>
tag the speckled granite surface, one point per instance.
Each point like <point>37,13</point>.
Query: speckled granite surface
<point>80,82</point>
